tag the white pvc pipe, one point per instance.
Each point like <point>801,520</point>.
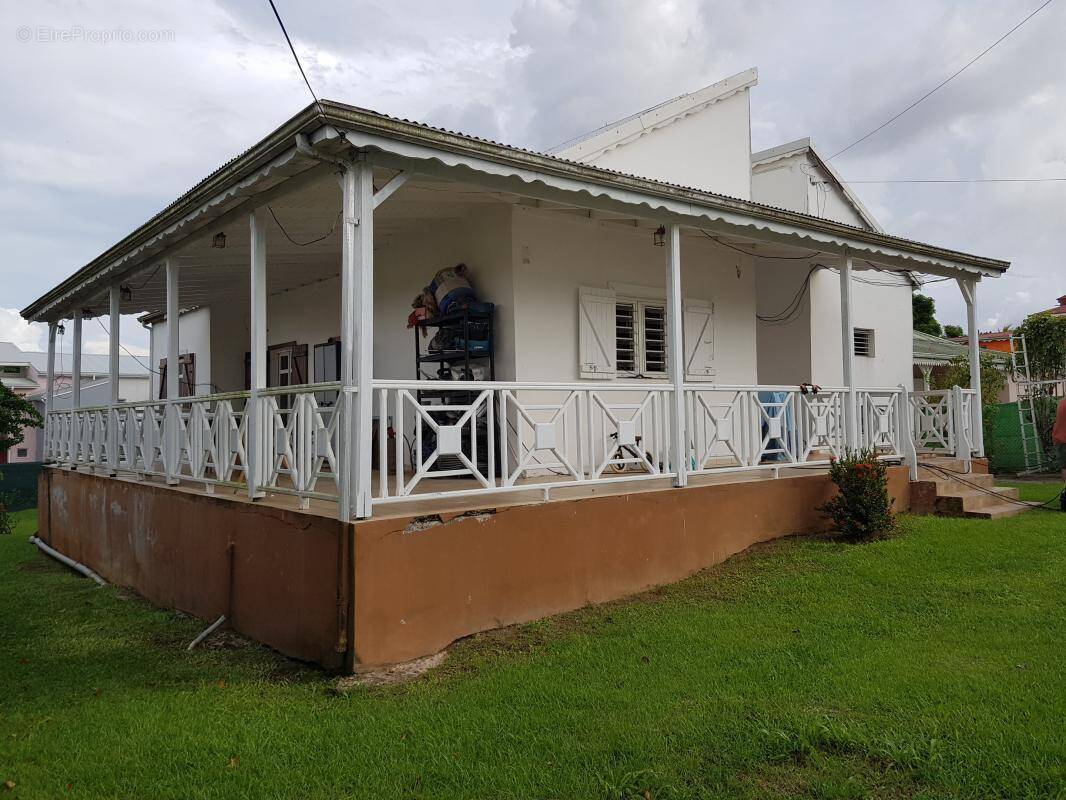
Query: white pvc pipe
<point>70,562</point>
<point>206,632</point>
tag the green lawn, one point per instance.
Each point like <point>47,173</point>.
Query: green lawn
<point>929,665</point>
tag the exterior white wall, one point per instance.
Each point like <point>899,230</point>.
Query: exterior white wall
<point>554,255</point>
<point>798,183</point>
<point>406,256</point>
<point>709,150</point>
<point>809,348</point>
<point>784,349</point>
<point>884,309</point>
<point>782,183</point>
<point>194,336</point>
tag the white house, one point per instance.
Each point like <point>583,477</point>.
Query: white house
<point>646,309</point>
<point>538,263</point>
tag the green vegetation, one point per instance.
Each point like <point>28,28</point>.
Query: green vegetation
<point>923,311</point>
<point>927,665</point>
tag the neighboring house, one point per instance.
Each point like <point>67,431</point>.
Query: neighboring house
<point>999,341</point>
<point>651,323</point>
<point>1060,309</point>
<point>932,354</point>
<point>25,372</point>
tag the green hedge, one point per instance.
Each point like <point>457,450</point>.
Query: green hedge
<point>18,485</point>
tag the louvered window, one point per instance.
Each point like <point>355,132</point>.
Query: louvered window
<point>625,337</point>
<point>864,342</point>
<point>640,338</point>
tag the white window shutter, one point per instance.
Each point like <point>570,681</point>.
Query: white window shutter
<point>699,340</point>
<point>596,333</point>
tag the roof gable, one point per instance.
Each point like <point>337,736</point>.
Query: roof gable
<point>615,134</point>
<point>805,146</point>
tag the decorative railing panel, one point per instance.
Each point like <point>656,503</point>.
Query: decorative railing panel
<point>463,438</point>
<point>509,435</point>
<point>743,427</point>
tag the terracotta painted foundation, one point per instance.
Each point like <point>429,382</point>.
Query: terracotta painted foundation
<point>286,577</point>
<point>281,577</point>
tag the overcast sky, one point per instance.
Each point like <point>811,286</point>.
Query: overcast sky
<point>98,136</point>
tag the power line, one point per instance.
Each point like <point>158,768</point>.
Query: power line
<point>297,58</point>
<point>940,85</point>
<point>131,355</point>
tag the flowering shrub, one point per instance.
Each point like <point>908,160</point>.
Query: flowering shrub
<point>862,511</point>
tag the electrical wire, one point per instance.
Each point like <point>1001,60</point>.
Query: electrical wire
<point>211,386</point>
<point>955,476</point>
<point>790,311</point>
<point>758,255</point>
<point>296,58</point>
<point>285,233</point>
<point>943,83</point>
<point>131,355</point>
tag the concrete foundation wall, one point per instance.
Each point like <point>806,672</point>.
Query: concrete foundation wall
<point>418,592</point>
<point>286,578</point>
<point>288,583</point>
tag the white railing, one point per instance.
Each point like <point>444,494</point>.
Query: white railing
<point>882,421</point>
<point>301,440</point>
<point>943,421</point>
<point>512,435</point>
<point>745,427</point>
<point>435,439</point>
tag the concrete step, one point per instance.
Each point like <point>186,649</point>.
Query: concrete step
<point>977,465</point>
<point>961,501</point>
<point>944,483</point>
<point>996,512</point>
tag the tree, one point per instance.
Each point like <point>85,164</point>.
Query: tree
<point>1045,348</point>
<point>953,331</point>
<point>16,413</point>
<point>923,310</point>
<point>993,379</point>
<point>1045,345</point>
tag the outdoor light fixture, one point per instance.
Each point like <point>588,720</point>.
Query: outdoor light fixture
<point>659,236</point>
<point>219,241</point>
<point>125,292</point>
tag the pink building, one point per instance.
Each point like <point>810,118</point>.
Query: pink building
<point>24,372</point>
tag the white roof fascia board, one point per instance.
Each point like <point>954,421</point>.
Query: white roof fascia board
<point>615,134</point>
<point>557,188</point>
<point>487,164</point>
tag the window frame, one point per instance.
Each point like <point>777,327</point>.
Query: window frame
<point>871,343</point>
<point>640,342</point>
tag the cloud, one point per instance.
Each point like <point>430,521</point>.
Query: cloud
<point>25,335</point>
<point>105,136</point>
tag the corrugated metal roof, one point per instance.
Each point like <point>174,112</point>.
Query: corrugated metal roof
<point>91,363</point>
<point>343,116</point>
<point>930,349</point>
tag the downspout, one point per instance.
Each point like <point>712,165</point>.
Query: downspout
<point>346,628</point>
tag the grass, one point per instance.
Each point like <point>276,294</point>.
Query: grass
<point>927,665</point>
